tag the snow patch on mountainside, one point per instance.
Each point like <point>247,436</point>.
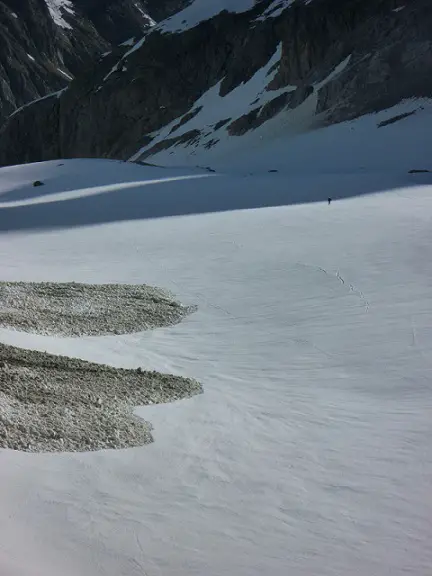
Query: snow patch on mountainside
<point>56,9</point>
<point>192,15</point>
<point>201,10</point>
<point>145,15</point>
<point>56,94</point>
<point>275,9</point>
<point>213,115</point>
<point>213,108</point>
<point>284,144</point>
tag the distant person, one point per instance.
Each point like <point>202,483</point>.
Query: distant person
<point>329,201</point>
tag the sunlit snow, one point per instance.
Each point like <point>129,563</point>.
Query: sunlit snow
<point>57,9</point>
<point>310,451</point>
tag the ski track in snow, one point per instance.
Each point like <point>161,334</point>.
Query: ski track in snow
<point>352,289</point>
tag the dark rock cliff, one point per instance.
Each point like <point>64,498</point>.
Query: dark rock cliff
<point>39,56</point>
<point>115,106</point>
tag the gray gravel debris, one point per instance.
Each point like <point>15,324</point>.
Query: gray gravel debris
<point>57,404</point>
<point>73,309</point>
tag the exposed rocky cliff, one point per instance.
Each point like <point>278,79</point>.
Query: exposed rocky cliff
<point>332,59</point>
<point>45,43</point>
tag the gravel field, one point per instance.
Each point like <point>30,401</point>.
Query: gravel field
<point>72,309</point>
<point>55,404</point>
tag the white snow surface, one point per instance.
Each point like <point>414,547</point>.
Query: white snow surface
<point>192,15</point>
<point>276,8</point>
<point>65,74</point>
<point>150,20</point>
<point>310,451</point>
<point>57,9</point>
<point>200,10</point>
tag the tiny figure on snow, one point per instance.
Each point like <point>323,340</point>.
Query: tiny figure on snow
<point>329,201</point>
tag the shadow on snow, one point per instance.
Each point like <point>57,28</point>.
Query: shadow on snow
<point>186,195</point>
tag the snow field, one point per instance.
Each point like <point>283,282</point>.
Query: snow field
<point>310,449</point>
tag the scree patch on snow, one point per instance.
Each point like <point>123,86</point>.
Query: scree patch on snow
<point>53,403</point>
<point>72,309</point>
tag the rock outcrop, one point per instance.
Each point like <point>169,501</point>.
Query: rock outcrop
<point>44,44</point>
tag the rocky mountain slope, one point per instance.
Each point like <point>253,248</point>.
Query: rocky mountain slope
<point>208,79</point>
<point>45,43</point>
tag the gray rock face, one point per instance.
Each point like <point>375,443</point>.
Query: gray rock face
<point>117,105</point>
<point>42,50</point>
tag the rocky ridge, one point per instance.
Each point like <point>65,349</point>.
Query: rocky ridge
<point>44,44</point>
